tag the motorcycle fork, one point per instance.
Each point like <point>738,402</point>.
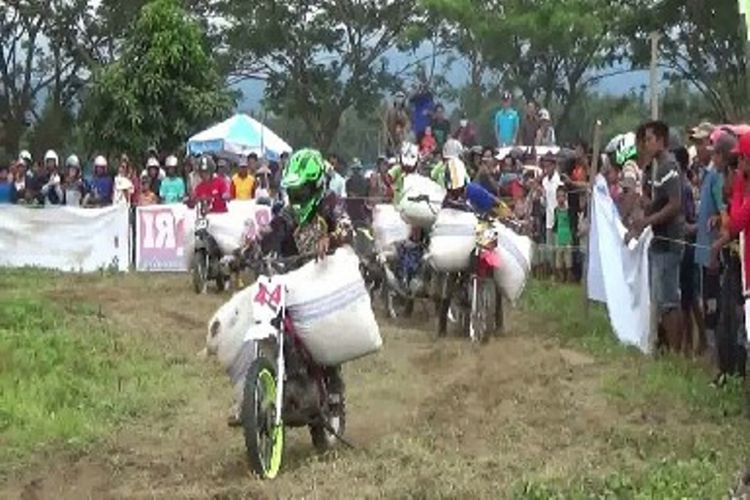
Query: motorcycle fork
<point>280,370</point>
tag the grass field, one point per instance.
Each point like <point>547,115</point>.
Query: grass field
<point>102,396</point>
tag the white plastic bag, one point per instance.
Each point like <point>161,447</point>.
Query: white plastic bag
<point>515,252</point>
<point>226,338</point>
<point>388,227</point>
<point>452,240</point>
<point>331,311</point>
<point>419,213</point>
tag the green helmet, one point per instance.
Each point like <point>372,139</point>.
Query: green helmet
<point>304,182</point>
<point>626,149</point>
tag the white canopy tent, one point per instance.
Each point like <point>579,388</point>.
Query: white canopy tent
<point>238,136</point>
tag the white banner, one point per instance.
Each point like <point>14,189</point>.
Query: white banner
<point>619,274</point>
<point>64,238</point>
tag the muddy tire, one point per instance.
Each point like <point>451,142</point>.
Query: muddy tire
<point>199,272</point>
<point>264,441</point>
<point>483,314</point>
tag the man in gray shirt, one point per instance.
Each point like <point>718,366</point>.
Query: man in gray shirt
<point>665,216</point>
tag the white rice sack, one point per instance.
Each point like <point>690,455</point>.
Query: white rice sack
<point>243,220</point>
<point>331,310</point>
<point>421,214</point>
<point>515,252</point>
<point>226,335</point>
<point>388,227</point>
<point>452,240</point>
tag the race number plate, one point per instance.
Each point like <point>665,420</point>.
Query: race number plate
<point>201,224</point>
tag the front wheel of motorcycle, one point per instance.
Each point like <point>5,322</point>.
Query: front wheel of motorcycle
<point>483,318</point>
<point>264,440</point>
<point>199,271</point>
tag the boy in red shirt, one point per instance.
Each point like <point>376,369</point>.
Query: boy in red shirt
<point>210,188</point>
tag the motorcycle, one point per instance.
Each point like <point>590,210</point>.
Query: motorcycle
<point>284,387</point>
<point>472,295</point>
<point>207,263</point>
<point>408,276</point>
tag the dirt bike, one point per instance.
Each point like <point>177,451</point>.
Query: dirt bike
<point>369,267</point>
<point>284,387</point>
<point>207,263</point>
<point>472,294</point>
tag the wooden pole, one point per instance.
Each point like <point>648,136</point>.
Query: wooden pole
<point>654,76</point>
<point>593,167</point>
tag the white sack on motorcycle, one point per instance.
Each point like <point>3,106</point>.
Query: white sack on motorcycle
<point>453,240</point>
<point>331,310</point>
<point>419,213</point>
<point>515,253</point>
<point>388,227</point>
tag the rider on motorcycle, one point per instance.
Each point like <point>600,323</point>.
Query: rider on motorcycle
<point>408,164</point>
<point>313,224</point>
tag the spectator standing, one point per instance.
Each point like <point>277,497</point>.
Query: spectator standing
<point>563,232</point>
<point>147,196</point>
<point>211,189</point>
<point>262,183</point>
<point>700,136</point>
<point>336,182</point>
<point>153,173</point>
<point>428,144</point>
<point>243,183</point>
<point>51,190</point>
<point>27,160</point>
<point>172,188</point>
<point>131,174</point>
<point>222,173</point>
<point>123,188</point>
<point>102,185</point>
<point>710,210</point>
<point>36,182</point>
<point>7,187</point>
<point>466,133</point>
<point>74,188</point>
<point>20,179</point>
<point>506,123</point>
<point>192,178</point>
<point>550,183</point>
<point>380,191</point>
<point>689,272</point>
<point>664,215</point>
<point>529,125</point>
<point>357,192</point>
<point>441,126</point>
<point>422,104</point>
<point>396,116</point>
<point>545,136</point>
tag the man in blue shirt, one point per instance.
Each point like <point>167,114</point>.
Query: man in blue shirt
<point>506,123</point>
<point>7,187</point>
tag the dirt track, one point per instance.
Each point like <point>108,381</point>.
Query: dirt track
<point>429,419</point>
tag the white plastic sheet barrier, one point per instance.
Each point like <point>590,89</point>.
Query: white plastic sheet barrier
<point>65,238</point>
<point>624,287</point>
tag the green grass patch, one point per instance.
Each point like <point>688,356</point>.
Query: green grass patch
<point>68,376</point>
<point>685,439</point>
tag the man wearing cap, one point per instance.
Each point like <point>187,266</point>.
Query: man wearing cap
<point>243,182</point>
<point>396,115</point>
<point>710,211</point>
<point>506,123</point>
<point>172,188</point>
<point>550,183</point>
<point>700,136</point>
<point>664,215</point>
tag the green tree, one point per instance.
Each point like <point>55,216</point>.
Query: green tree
<point>552,50</point>
<point>163,87</point>
<point>320,58</point>
<point>701,43</point>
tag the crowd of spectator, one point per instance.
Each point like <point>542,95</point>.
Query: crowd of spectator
<point>162,180</point>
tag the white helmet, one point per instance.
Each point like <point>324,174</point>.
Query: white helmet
<point>453,148</point>
<point>25,156</point>
<point>544,115</point>
<point>171,161</point>
<point>152,162</point>
<point>455,174</point>
<point>100,161</point>
<point>409,155</point>
<point>612,145</point>
<point>73,161</point>
<point>51,156</point>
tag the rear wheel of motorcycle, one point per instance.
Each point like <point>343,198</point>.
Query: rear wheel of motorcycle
<point>322,439</point>
<point>221,282</point>
<point>482,317</point>
<point>199,270</point>
<point>264,440</point>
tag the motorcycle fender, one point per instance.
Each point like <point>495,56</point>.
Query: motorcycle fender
<point>489,259</point>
